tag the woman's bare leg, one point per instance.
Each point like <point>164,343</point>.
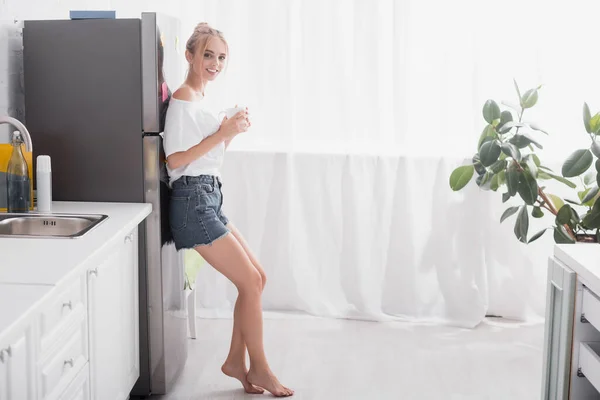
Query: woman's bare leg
<point>228,257</point>
<point>235,364</point>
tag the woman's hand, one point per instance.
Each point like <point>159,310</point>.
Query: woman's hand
<point>231,127</point>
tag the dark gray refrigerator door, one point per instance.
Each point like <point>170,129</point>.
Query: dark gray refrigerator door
<point>83,96</point>
<point>162,57</point>
<point>165,340</point>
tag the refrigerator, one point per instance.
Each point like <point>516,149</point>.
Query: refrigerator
<point>96,95</point>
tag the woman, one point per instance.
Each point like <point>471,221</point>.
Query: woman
<point>195,143</point>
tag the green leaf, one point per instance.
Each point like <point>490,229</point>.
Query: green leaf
<point>556,201</point>
<point>574,218</point>
<point>536,160</point>
<point>595,123</point>
<point>589,195</point>
<point>598,165</point>
<point>563,180</point>
<point>491,111</point>
<point>511,150</point>
<point>522,140</point>
<point>535,127</point>
<point>564,215</point>
<point>530,164</point>
<point>522,225</point>
<point>573,202</point>
<point>517,88</point>
<point>587,116</point>
<point>501,177</point>
<point>543,175</point>
<point>461,176</point>
<point>537,212</point>
<point>488,132</point>
<point>508,212</point>
<point>512,180</point>
<point>537,235</point>
<point>592,219</point>
<point>589,178</point>
<point>529,99</point>
<point>479,168</point>
<point>527,187</point>
<point>505,117</point>
<point>495,183</point>
<point>561,236</point>
<point>596,148</point>
<point>485,181</point>
<point>489,153</point>
<point>498,166</point>
<point>577,163</point>
<point>505,197</point>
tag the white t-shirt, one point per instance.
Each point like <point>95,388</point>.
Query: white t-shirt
<point>186,125</point>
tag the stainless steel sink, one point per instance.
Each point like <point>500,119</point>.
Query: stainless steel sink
<point>48,225</point>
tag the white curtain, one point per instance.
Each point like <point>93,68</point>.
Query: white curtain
<point>375,237</point>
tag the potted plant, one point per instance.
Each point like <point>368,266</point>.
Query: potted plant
<point>506,161</point>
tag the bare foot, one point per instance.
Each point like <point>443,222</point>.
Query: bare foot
<point>266,379</point>
<point>238,371</point>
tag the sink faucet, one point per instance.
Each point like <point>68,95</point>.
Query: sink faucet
<point>24,132</point>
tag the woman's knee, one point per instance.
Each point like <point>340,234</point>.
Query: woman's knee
<point>263,278</point>
<point>252,284</point>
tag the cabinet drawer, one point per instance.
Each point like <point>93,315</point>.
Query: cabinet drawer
<point>589,362</point>
<point>58,371</point>
<point>80,387</point>
<point>61,310</point>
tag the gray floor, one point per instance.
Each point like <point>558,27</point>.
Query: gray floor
<point>344,359</point>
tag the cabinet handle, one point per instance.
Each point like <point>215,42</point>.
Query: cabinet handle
<point>94,272</point>
<point>69,305</point>
<point>70,362</point>
<point>2,355</point>
<point>129,238</point>
<point>9,351</point>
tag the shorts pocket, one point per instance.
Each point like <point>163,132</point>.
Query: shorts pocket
<point>178,212</point>
<point>206,188</point>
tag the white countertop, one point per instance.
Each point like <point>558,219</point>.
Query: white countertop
<point>48,261</point>
<point>30,268</point>
<point>583,259</point>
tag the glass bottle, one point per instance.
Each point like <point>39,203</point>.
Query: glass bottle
<point>18,183</point>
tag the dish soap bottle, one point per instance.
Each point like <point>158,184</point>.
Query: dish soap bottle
<point>18,183</point>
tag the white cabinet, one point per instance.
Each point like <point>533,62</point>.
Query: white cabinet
<point>571,365</point>
<point>69,323</point>
<point>17,365</point>
<point>560,299</point>
<point>113,321</point>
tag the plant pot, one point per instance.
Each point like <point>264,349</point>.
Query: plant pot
<point>586,238</point>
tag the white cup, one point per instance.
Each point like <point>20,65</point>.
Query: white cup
<point>230,112</point>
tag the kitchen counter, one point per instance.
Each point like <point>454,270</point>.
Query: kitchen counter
<point>584,260</point>
<point>30,268</point>
<point>49,261</point>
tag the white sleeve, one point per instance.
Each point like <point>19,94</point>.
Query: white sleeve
<point>177,122</point>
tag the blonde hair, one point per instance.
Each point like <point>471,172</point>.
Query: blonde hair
<point>201,37</point>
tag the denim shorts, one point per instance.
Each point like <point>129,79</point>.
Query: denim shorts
<point>195,214</point>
